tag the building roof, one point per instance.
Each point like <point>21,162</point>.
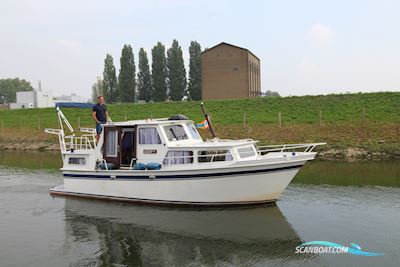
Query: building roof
<point>238,47</point>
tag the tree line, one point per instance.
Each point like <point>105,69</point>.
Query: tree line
<point>9,88</point>
<point>166,80</point>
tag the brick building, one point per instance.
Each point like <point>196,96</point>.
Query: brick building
<point>228,72</point>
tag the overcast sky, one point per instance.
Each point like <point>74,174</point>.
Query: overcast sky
<point>305,47</point>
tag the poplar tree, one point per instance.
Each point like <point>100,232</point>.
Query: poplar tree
<point>176,72</point>
<point>97,89</point>
<point>158,73</point>
<point>194,87</point>
<point>145,89</point>
<point>110,83</point>
<point>126,77</point>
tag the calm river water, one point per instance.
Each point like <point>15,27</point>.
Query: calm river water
<point>331,201</point>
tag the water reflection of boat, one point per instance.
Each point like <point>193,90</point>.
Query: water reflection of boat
<point>140,235</point>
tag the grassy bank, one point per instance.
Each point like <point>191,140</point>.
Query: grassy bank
<point>369,121</point>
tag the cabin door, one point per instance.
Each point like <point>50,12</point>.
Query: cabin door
<point>128,146</point>
<point>111,145</point>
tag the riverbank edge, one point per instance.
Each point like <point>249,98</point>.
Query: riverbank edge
<point>327,152</point>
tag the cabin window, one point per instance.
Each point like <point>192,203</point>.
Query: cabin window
<point>175,132</point>
<point>214,155</point>
<point>246,152</point>
<point>149,136</point>
<point>111,144</point>
<point>193,132</point>
<point>77,161</point>
<point>178,157</point>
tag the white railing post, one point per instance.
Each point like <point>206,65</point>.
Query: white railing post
<point>282,148</point>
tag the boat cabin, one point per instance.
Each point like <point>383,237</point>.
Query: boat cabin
<point>172,143</point>
<point>125,143</point>
<point>168,143</point>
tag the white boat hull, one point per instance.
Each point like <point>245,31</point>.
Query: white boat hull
<point>243,185</point>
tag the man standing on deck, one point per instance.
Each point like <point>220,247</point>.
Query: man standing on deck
<point>100,115</point>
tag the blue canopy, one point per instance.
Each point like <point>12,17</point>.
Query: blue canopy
<point>74,105</point>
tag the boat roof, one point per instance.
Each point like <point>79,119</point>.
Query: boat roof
<point>158,121</point>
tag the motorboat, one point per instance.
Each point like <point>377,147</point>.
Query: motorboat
<point>166,161</point>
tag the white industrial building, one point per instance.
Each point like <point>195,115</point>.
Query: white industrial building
<point>33,99</point>
<point>41,99</point>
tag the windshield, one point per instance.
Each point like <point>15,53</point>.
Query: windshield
<point>193,132</point>
<point>175,132</point>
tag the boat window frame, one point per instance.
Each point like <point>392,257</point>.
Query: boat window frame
<point>213,156</point>
<point>193,131</point>
<point>174,139</point>
<point>166,157</point>
<point>146,144</point>
<point>254,153</point>
<point>79,161</point>
<point>114,131</point>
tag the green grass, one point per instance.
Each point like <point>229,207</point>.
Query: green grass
<point>341,124</point>
<point>336,109</point>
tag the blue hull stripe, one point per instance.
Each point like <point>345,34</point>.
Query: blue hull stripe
<point>182,176</point>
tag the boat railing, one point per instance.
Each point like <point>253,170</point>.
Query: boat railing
<point>216,139</point>
<point>215,157</point>
<point>88,130</point>
<point>103,161</point>
<point>262,150</point>
<point>228,156</point>
<point>73,142</point>
<point>84,141</point>
<point>91,134</point>
<point>52,131</point>
<point>131,165</point>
